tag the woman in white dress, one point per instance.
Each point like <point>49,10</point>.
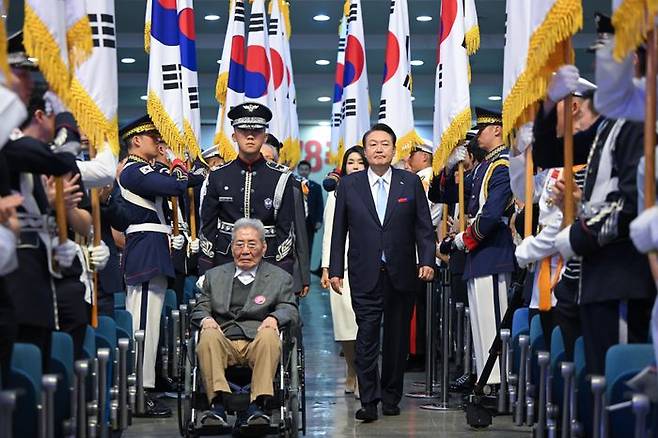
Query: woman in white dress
<point>341,305</point>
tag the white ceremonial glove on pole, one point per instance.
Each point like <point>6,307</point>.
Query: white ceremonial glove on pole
<point>644,230</point>
<point>177,242</point>
<point>459,241</point>
<point>194,246</point>
<point>458,154</point>
<point>170,155</point>
<point>524,137</point>
<point>56,104</point>
<point>99,256</point>
<point>563,83</point>
<point>65,253</point>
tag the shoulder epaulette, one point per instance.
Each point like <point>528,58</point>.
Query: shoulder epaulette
<point>222,166</point>
<point>276,166</point>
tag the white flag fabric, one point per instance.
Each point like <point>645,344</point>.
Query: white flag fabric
<point>165,97</point>
<point>190,79</point>
<point>452,105</point>
<point>395,108</point>
<point>471,27</point>
<point>94,88</point>
<point>630,23</point>
<point>229,89</point>
<point>355,110</point>
<point>547,24</point>
<point>279,79</point>
<point>44,37</point>
<point>337,143</point>
<point>78,32</point>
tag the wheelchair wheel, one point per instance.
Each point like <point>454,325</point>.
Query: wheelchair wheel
<point>185,426</point>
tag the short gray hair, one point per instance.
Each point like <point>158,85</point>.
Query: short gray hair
<point>245,222</point>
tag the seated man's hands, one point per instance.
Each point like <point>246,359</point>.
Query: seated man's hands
<point>269,322</point>
<point>210,323</point>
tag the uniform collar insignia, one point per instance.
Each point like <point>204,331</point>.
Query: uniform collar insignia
<point>250,107</point>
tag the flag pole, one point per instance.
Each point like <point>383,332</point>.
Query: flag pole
<point>529,192</point>
<point>569,206</point>
<point>650,133</point>
<point>174,214</point>
<point>190,197</point>
<point>60,211</point>
<point>462,207</point>
<point>96,223</point>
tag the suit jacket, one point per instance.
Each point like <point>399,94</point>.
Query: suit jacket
<point>272,286</point>
<point>315,203</point>
<point>301,273</point>
<point>407,225</point>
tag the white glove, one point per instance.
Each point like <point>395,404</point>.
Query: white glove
<point>644,230</point>
<point>177,242</point>
<point>99,256</point>
<point>194,246</point>
<point>524,137</point>
<point>65,253</point>
<point>459,241</point>
<point>200,280</point>
<point>55,103</point>
<point>563,83</point>
<point>170,155</point>
<point>458,154</point>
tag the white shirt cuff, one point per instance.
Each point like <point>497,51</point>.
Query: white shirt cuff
<point>563,243</point>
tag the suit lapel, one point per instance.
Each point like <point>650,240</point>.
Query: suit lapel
<point>259,283</point>
<point>366,194</point>
<point>230,270</point>
<point>393,194</point>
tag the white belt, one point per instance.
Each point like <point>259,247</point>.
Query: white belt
<point>504,220</point>
<point>157,228</point>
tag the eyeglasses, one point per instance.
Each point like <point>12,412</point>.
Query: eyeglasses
<point>251,245</point>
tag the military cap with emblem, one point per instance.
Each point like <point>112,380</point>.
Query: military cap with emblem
<point>16,54</point>
<point>250,115</point>
<point>604,30</point>
<point>485,117</point>
<point>210,152</point>
<point>426,146</point>
<point>140,126</point>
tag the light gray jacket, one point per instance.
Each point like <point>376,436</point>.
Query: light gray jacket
<point>271,295</point>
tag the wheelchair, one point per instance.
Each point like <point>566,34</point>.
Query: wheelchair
<point>288,403</point>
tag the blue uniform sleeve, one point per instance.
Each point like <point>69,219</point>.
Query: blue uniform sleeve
<point>499,198</point>
<point>144,180</point>
<point>30,155</point>
<point>210,207</point>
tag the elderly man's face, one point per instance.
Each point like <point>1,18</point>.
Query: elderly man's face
<point>247,248</point>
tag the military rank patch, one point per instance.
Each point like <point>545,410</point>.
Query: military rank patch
<point>268,203</point>
<point>146,169</point>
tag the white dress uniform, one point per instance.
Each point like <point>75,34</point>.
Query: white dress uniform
<point>342,314</point>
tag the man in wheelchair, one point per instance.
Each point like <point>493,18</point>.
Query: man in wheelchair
<point>241,308</point>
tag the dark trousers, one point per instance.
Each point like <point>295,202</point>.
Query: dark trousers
<point>458,289</point>
<point>178,285</point>
<point>419,341</point>
<point>600,325</point>
<point>395,307</point>
<point>73,312</point>
<point>39,336</point>
<point>547,324</point>
<point>310,233</point>
<point>7,338</point>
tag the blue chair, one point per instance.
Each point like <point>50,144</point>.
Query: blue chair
<point>557,356</point>
<point>61,363</point>
<point>622,362</point>
<point>520,327</point>
<point>124,321</point>
<point>170,302</point>
<point>119,300</point>
<point>190,288</point>
<point>89,345</point>
<point>26,375</point>
<point>537,343</point>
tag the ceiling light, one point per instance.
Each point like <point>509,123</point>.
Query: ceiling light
<point>417,62</point>
<point>324,123</point>
<point>494,98</point>
<point>322,17</point>
<point>423,18</point>
<point>145,97</point>
<point>211,17</point>
<point>219,61</point>
<point>324,99</point>
<point>322,62</point>
<point>413,98</point>
<point>128,60</point>
<point>4,15</point>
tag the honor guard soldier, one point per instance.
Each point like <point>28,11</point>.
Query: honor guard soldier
<point>146,258</point>
<point>488,239</point>
<point>251,187</point>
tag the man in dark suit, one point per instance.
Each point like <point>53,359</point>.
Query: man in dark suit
<point>387,209</point>
<point>314,202</point>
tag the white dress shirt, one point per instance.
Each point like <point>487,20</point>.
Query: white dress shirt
<point>245,276</point>
<point>373,180</point>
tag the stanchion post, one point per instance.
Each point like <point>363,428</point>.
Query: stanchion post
<point>124,344</point>
<point>459,357</point>
<point>468,348</point>
<point>598,417</point>
<point>502,393</point>
<point>81,371</point>
<point>567,370</point>
<point>103,358</point>
<point>48,388</point>
<point>139,372</point>
<point>543,359</point>
<point>519,412</point>
<point>164,352</point>
<point>429,347</point>
<point>640,410</point>
<point>175,318</point>
<point>7,404</point>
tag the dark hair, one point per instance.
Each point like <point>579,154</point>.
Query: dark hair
<point>380,127</point>
<point>35,104</point>
<point>273,141</point>
<point>588,97</point>
<point>303,163</point>
<point>359,150</point>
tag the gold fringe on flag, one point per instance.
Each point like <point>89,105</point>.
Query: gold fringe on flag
<point>191,144</point>
<point>472,39</point>
<point>631,25</point>
<point>346,8</point>
<point>451,137</point>
<point>337,158</point>
<point>4,61</point>
<point>285,11</point>
<point>225,147</point>
<point>39,43</point>
<point>406,143</point>
<point>79,42</point>
<point>545,55</point>
<point>221,88</point>
<point>147,37</point>
<point>166,126</point>
<point>290,152</point>
<point>99,130</point>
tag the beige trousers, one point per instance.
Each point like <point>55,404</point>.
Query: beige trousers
<point>216,353</point>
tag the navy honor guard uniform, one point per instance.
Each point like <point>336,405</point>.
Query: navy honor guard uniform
<point>146,259</point>
<point>259,189</point>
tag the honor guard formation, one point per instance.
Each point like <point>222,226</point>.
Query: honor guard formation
<point>162,278</point>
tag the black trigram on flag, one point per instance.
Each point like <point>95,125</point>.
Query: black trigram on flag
<point>440,75</point>
<point>353,13</point>
<point>336,118</point>
<point>102,30</point>
<point>382,109</point>
<point>193,93</point>
<point>256,22</point>
<point>239,11</point>
<point>392,6</point>
<point>171,77</point>
<point>407,82</point>
<point>349,108</point>
<point>273,26</point>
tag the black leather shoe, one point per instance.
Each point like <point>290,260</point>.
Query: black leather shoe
<point>153,408</point>
<point>464,383</point>
<point>367,413</point>
<point>390,410</point>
